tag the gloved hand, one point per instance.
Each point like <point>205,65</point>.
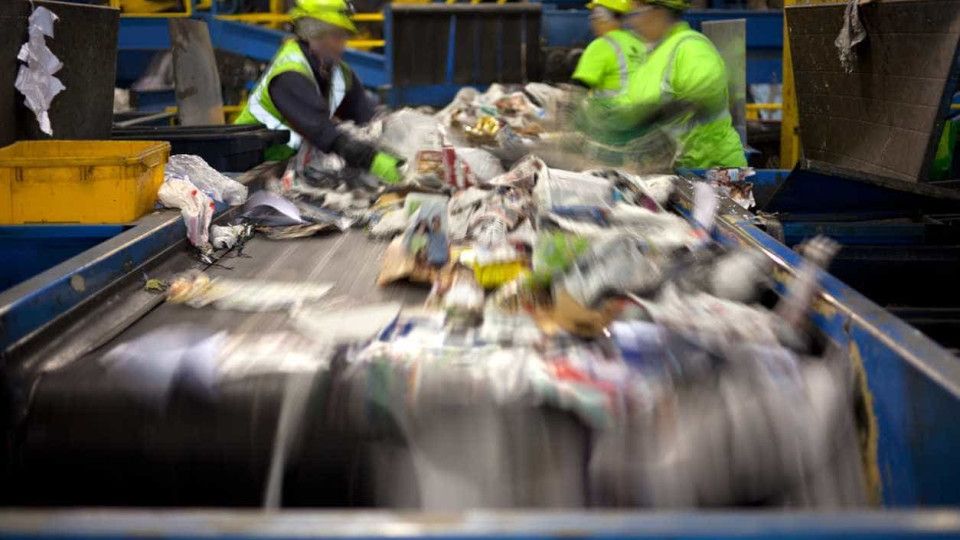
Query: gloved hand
<point>386,167</point>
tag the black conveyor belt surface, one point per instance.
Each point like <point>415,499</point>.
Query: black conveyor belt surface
<point>85,441</point>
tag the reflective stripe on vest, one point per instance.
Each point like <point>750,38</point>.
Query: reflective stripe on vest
<point>273,119</point>
<point>666,93</point>
<point>624,71</point>
<point>338,89</point>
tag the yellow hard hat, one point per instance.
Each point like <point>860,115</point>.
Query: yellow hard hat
<point>335,12</point>
<point>677,5</point>
<point>617,6</point>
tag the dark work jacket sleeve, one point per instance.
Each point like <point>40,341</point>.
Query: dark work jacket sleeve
<point>307,111</point>
<point>356,106</point>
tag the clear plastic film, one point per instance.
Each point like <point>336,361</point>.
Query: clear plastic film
<point>35,79</point>
<point>194,169</point>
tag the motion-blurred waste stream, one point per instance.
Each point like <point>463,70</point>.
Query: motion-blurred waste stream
<point>589,340</point>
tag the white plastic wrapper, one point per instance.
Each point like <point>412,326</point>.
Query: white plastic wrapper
<point>225,237</point>
<point>705,204</point>
<point>205,177</point>
<point>36,80</point>
<point>562,188</point>
<point>197,209</point>
<point>548,96</point>
<point>658,186</point>
<point>484,165</point>
<point>407,132</point>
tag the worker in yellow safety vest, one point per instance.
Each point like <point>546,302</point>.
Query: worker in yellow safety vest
<point>605,66</point>
<point>308,87</point>
<point>681,88</point>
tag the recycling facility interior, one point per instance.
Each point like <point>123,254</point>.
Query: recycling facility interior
<point>514,339</point>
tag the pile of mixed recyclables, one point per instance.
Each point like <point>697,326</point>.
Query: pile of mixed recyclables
<point>583,344</point>
<point>468,140</point>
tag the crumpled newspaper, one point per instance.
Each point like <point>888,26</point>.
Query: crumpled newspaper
<point>36,80</point>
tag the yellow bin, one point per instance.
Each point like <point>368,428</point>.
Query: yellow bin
<point>80,181</point>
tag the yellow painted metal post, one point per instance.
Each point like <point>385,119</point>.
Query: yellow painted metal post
<point>789,126</point>
<point>276,7</point>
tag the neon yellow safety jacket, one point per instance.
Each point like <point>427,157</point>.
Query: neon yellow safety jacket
<point>682,90</point>
<point>607,62</point>
<point>260,108</point>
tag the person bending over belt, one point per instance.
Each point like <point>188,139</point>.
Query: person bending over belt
<point>308,87</point>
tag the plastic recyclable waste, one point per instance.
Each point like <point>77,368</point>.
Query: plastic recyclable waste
<point>818,253</point>
<point>197,209</point>
<point>217,186</point>
<point>287,232</point>
<point>225,237</point>
<point>705,204</point>
<point>613,265</point>
<point>524,174</point>
<point>36,80</point>
<point>322,216</point>
<point>546,96</point>
<point>484,165</point>
<point>495,266</point>
<point>559,188</point>
<point>406,132</point>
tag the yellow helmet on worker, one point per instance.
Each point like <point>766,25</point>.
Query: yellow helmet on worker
<point>675,5</point>
<point>617,6</point>
<point>335,12</point>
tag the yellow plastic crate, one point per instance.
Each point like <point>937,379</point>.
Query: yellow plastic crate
<point>80,181</point>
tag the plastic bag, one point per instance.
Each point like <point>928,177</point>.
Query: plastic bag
<point>484,165</point>
<point>407,132</point>
<point>225,237</point>
<point>197,209</point>
<point>36,80</point>
<point>611,265</point>
<point>561,188</point>
<point>205,177</point>
<point>524,174</point>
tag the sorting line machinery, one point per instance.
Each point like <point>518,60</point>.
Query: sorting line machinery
<point>881,203</point>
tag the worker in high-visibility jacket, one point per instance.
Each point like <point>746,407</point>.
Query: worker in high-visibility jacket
<point>605,65</point>
<point>681,88</point>
<point>308,88</point>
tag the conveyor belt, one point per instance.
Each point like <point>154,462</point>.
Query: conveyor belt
<point>350,261</point>
<point>85,441</point>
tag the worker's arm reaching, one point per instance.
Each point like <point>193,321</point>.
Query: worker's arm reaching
<point>307,111</point>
